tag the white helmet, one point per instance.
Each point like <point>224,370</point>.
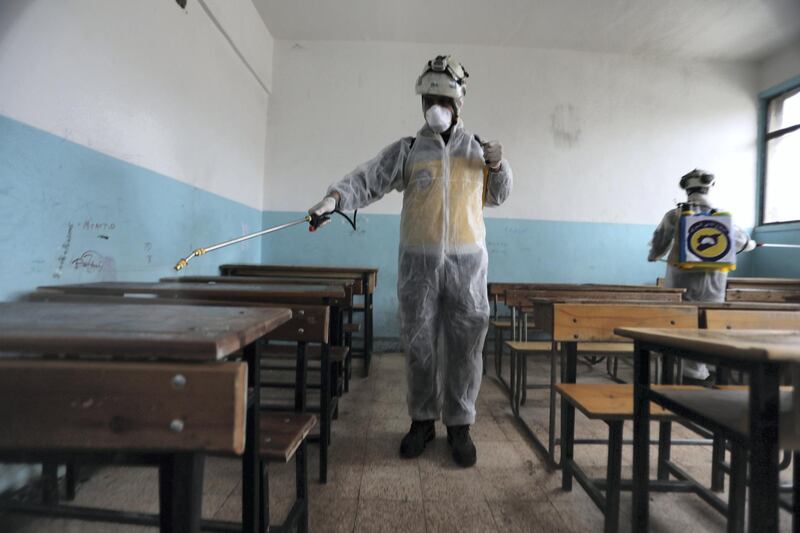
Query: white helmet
<point>444,76</point>
<point>697,179</point>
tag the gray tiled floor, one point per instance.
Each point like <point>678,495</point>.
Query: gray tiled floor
<point>371,489</point>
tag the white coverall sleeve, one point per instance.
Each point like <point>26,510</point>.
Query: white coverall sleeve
<point>371,180</point>
<point>499,185</point>
<point>743,241</point>
<point>663,236</point>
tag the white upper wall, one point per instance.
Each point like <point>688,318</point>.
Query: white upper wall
<point>783,65</point>
<point>242,24</point>
<point>145,82</point>
<point>590,137</point>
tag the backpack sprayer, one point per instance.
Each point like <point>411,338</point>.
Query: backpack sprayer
<point>314,223</point>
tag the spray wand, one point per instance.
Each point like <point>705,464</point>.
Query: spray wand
<point>314,223</point>
<point>768,245</point>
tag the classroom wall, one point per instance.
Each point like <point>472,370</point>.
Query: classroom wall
<point>783,65</point>
<point>597,143</point>
<point>130,133</point>
<point>780,67</point>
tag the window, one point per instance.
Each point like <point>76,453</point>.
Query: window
<point>780,152</point>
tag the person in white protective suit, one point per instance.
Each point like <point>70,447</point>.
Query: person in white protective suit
<point>701,286</point>
<point>441,280</point>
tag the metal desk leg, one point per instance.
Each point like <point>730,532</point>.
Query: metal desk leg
<point>180,483</point>
<point>498,364</point>
<point>324,412</point>
<point>717,459</point>
<point>568,414</point>
<point>263,509</point>
<point>513,369</point>
<point>764,410</point>
<point>551,430</point>
<point>613,476</point>
<point>718,447</point>
<point>301,476</point>
<point>523,378</point>
<point>348,363</point>
<point>368,330</point>
<point>796,492</point>
<point>50,483</point>
<point>301,378</point>
<point>641,438</point>
<point>251,460</point>
<point>71,481</point>
<point>664,449</point>
<point>738,489</point>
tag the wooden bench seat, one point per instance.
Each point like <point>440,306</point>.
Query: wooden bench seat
<point>530,346</point>
<point>612,401</point>
<point>282,434</point>
<point>583,347</point>
<point>613,404</point>
<point>500,323</point>
<point>615,348</point>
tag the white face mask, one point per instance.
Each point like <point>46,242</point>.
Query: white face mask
<point>438,118</point>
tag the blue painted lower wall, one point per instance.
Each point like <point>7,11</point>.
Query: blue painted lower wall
<point>519,250</point>
<point>72,214</point>
<point>777,262</point>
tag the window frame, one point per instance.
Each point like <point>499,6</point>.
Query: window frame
<point>764,99</point>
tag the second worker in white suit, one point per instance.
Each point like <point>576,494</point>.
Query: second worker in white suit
<point>441,285</point>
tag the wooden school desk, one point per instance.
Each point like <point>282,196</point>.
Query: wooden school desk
<point>122,380</point>
<point>340,330</point>
<point>367,275</point>
<point>762,354</point>
<point>246,295</point>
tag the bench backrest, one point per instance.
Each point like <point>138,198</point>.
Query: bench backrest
<point>751,319</point>
<point>763,295</point>
<point>590,322</point>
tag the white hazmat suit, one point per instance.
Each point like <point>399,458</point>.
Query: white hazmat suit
<point>441,280</point>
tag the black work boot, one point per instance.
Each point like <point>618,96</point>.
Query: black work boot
<point>421,433</point>
<point>463,449</point>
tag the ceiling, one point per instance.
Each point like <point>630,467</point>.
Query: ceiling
<point>695,29</point>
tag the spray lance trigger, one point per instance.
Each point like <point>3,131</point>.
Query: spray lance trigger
<point>317,221</point>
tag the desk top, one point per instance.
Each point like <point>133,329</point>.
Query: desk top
<point>746,345</point>
<point>589,287</point>
<point>267,279</point>
<point>205,290</point>
<point>763,294</point>
<point>351,285</point>
<point>536,285</point>
<point>300,268</point>
<point>766,283</point>
<point>300,271</point>
<point>742,306</point>
<point>133,332</point>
